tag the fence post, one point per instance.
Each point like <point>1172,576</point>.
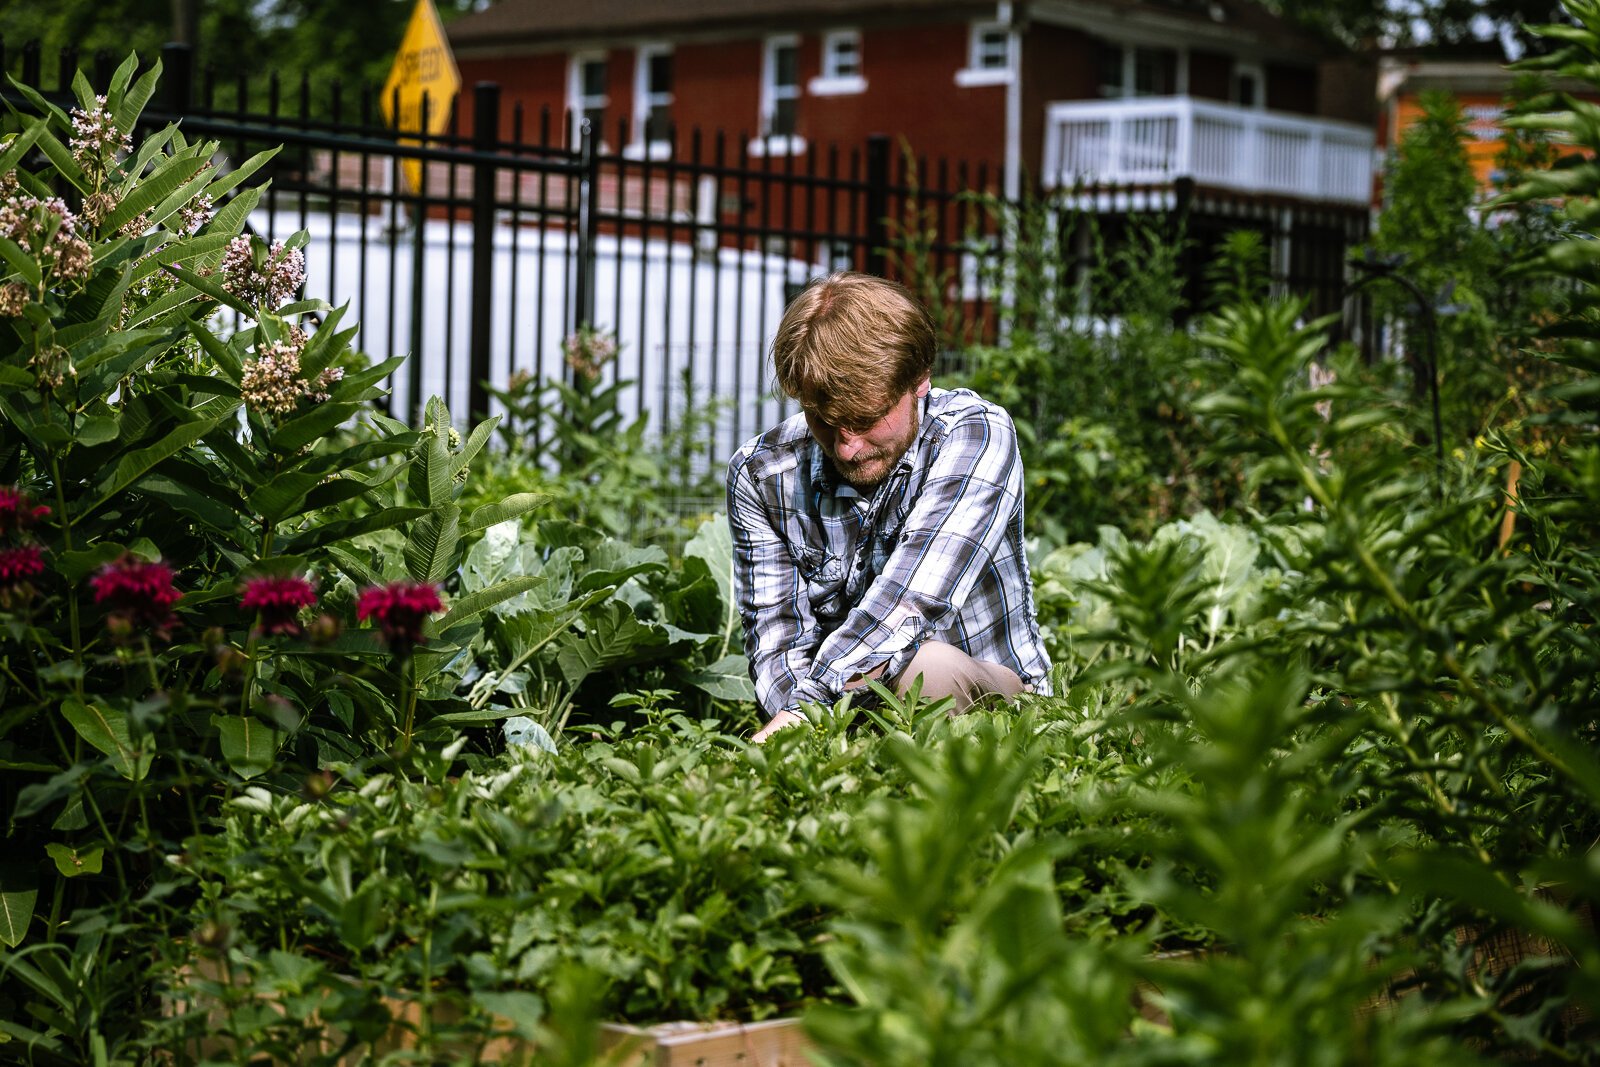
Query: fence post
<point>485,136</point>
<point>583,295</point>
<point>66,68</point>
<point>177,76</point>
<point>30,64</point>
<point>877,259</point>
<point>1189,269</point>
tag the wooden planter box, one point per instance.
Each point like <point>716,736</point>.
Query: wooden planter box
<point>772,1043</point>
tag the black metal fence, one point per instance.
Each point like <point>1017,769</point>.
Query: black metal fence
<point>478,250</point>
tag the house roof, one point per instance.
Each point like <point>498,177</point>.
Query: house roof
<point>538,21</point>
<point>535,23</point>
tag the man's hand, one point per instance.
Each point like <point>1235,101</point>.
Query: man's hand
<point>779,721</point>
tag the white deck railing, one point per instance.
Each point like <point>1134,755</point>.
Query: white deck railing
<point>1154,140</point>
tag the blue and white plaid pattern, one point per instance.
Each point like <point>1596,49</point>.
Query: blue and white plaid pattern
<point>832,583</point>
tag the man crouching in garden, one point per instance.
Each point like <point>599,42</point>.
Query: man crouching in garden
<point>878,533</point>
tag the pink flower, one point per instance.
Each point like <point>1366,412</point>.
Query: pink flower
<point>278,601</point>
<point>17,511</point>
<point>19,565</point>
<point>137,595</point>
<point>400,609</point>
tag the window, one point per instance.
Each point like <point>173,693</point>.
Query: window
<point>841,54</point>
<point>841,65</point>
<point>988,55</point>
<point>1246,90</point>
<point>588,94</point>
<point>991,47</point>
<point>1137,71</point>
<point>653,95</point>
<point>780,87</point>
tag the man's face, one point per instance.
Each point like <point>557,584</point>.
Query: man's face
<point>865,456</point>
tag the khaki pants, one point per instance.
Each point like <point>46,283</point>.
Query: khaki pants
<point>947,671</point>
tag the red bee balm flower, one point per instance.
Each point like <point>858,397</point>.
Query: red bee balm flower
<point>137,595</point>
<point>400,609</point>
<point>18,565</point>
<point>278,601</point>
<point>17,512</point>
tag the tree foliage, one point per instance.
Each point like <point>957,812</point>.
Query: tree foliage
<point>1441,23</point>
<point>353,40</point>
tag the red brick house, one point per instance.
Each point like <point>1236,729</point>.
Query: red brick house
<point>1124,91</point>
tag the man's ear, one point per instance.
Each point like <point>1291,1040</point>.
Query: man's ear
<point>922,387</point>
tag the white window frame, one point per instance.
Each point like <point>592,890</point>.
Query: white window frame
<point>644,101</point>
<point>978,71</point>
<point>577,102</point>
<point>768,144</point>
<point>834,81</point>
<point>1252,69</point>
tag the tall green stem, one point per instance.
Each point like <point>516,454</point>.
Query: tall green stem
<point>65,519</point>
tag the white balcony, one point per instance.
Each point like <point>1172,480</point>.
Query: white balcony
<point>1153,140</point>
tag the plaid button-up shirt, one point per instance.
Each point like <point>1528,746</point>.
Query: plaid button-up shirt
<point>831,583</point>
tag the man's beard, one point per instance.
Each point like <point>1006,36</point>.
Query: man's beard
<point>869,473</point>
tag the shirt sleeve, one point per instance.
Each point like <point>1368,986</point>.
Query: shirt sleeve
<point>780,634</point>
<point>972,491</point>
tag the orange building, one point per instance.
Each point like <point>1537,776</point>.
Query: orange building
<point>1480,86</point>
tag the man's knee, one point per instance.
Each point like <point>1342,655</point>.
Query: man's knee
<point>946,671</point>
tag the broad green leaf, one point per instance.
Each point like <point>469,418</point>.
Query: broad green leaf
<point>344,529</point>
<point>431,476</point>
<point>229,219</point>
<point>211,288</point>
<point>431,549</point>
<point>137,97</point>
<point>176,173</point>
<point>136,464</point>
<point>524,1011</point>
<point>248,744</point>
<point>302,430</point>
<point>474,444</point>
<point>280,498</point>
<point>15,376</point>
<point>464,607</point>
<point>613,636</point>
<point>726,679</point>
<point>713,543</point>
<point>71,862</point>
<point>18,260</point>
<point>510,508</point>
<point>19,891</point>
<point>612,562</point>
<point>76,565</point>
<point>178,252</point>
<point>107,730</point>
<point>200,505</point>
<point>97,430</point>
<point>18,147</point>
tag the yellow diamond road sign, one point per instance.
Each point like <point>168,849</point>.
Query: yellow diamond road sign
<point>422,67</point>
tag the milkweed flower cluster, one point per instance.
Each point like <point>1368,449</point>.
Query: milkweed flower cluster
<point>588,349</point>
<point>21,561</point>
<point>277,602</point>
<point>137,595</point>
<point>272,384</point>
<point>13,298</point>
<point>95,137</point>
<point>47,231</point>
<point>259,275</point>
<point>196,213</point>
<point>400,610</point>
